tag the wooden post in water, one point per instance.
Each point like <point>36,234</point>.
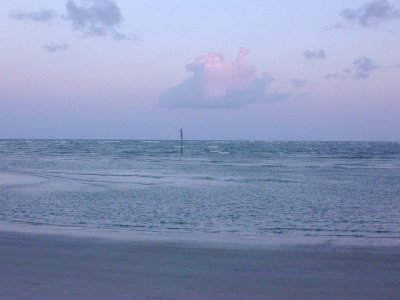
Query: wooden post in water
<point>181,141</point>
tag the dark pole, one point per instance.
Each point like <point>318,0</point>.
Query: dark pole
<point>181,141</point>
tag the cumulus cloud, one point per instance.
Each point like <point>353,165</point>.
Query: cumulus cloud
<point>217,83</point>
<point>53,47</point>
<point>95,18</point>
<point>361,68</point>
<point>36,16</point>
<point>88,17</point>
<point>371,14</point>
<point>297,82</point>
<point>314,54</point>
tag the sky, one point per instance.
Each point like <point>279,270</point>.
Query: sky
<point>219,69</point>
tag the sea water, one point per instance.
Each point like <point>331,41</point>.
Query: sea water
<point>254,190</point>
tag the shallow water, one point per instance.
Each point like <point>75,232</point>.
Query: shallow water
<point>239,189</point>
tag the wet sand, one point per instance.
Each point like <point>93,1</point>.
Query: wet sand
<point>36,266</point>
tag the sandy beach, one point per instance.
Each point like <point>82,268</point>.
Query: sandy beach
<point>34,266</point>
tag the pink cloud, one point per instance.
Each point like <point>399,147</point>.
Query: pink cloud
<point>217,83</point>
<point>218,76</point>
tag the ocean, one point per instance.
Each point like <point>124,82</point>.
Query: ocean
<point>242,191</point>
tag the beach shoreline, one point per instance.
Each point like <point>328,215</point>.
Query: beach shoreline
<point>48,266</point>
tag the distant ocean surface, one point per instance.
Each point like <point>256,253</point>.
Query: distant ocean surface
<point>244,190</point>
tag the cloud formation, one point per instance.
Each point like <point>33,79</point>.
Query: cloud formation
<point>219,84</point>
<point>43,15</point>
<point>53,47</point>
<point>372,14</point>
<point>297,82</point>
<point>361,68</point>
<point>95,18</point>
<point>88,17</point>
<point>314,54</point>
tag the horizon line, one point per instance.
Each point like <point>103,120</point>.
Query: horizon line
<point>225,140</point>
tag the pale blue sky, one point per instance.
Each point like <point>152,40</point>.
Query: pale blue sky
<point>99,87</point>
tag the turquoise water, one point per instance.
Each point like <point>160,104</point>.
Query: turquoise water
<point>240,189</point>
